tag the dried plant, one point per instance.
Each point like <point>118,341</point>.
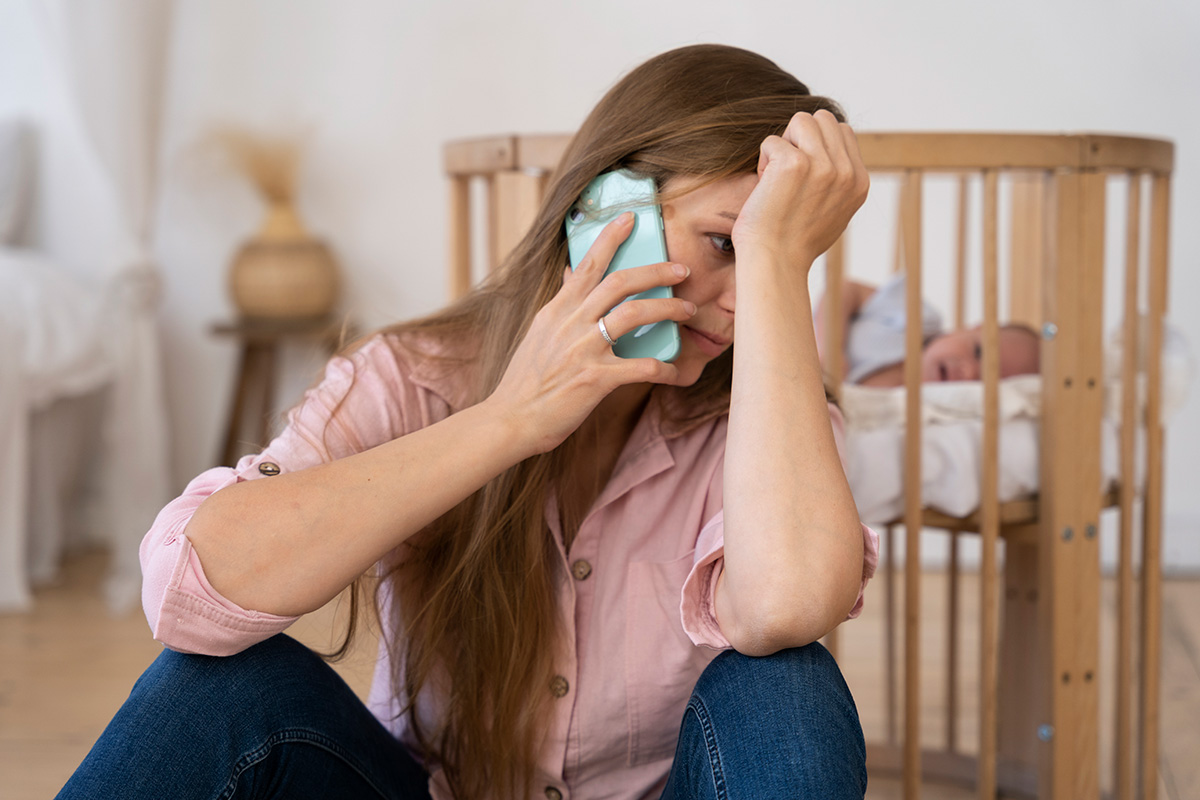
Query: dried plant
<point>271,163</point>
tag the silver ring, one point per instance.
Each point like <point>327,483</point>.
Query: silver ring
<point>604,333</point>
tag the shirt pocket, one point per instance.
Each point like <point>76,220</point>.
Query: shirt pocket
<point>661,663</point>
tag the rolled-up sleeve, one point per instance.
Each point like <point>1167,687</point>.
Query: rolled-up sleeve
<point>698,598</point>
<point>363,400</point>
<point>698,604</point>
<point>184,611</point>
<point>698,608</point>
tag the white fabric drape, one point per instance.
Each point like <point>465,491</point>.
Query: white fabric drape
<point>113,59</point>
<point>14,465</point>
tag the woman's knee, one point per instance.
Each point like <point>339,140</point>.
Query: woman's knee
<point>799,692</point>
<point>796,670</point>
<point>779,725</point>
<point>235,681</point>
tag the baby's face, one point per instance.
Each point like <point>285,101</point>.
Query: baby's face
<point>955,356</point>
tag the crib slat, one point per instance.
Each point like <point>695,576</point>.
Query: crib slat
<point>910,209</point>
<point>835,271</point>
<point>1160,205</point>
<point>1070,579</point>
<point>460,236</point>
<point>1124,755</point>
<point>1091,316</point>
<point>518,195</point>
<point>960,260</point>
<point>898,251</point>
<point>493,221</point>
<point>834,352</point>
<point>1028,239</point>
<point>830,640</point>
<point>1090,304</point>
<point>989,493</point>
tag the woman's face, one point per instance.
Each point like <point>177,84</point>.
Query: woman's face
<point>698,225</point>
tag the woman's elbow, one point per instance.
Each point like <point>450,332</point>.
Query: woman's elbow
<point>771,620</point>
<point>763,637</point>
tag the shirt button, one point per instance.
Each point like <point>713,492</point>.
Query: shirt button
<point>269,468</point>
<point>559,687</point>
<point>552,793</point>
<point>581,569</point>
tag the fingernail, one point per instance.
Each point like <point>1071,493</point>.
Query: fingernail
<point>680,270</point>
<point>689,307</point>
<point>626,218</point>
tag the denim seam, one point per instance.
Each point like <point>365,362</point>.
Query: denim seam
<point>294,736</point>
<point>696,706</point>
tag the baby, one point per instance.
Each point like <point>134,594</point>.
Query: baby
<point>873,322</point>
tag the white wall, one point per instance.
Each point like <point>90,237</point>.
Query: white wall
<point>383,84</point>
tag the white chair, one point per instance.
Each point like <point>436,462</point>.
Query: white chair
<point>54,366</point>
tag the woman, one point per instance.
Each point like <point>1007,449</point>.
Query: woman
<point>566,539</point>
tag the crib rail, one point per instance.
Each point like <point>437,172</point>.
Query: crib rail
<point>1058,222</point>
<point>1057,187</point>
<point>968,152</point>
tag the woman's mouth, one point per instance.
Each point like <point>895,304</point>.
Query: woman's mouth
<point>710,344</point>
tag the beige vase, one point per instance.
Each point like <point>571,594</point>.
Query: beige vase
<point>283,272</point>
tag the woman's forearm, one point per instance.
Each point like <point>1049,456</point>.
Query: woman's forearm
<point>288,544</point>
<point>793,545</point>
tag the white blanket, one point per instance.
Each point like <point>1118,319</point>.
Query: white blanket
<point>952,429</point>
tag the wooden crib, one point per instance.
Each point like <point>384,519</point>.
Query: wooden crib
<point>1039,715</point>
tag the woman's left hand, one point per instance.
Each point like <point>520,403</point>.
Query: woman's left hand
<point>811,180</point>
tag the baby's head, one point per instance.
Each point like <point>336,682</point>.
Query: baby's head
<point>956,356</point>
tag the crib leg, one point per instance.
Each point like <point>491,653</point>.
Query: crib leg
<point>1021,684</point>
<point>952,649</point>
<point>889,630</point>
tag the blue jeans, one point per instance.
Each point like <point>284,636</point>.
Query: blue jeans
<point>277,721</point>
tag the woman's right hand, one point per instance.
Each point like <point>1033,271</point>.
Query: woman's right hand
<point>811,181</point>
<point>563,367</point>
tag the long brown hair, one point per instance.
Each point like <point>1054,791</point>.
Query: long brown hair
<point>475,618</point>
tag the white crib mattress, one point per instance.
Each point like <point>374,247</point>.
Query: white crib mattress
<point>951,466</point>
<point>951,443</point>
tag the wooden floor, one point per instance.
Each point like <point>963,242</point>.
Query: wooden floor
<point>67,666</point>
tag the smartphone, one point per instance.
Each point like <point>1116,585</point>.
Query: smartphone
<point>605,199</point>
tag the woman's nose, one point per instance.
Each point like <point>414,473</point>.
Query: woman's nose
<point>726,297</point>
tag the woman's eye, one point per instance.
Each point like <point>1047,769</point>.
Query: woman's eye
<point>723,244</point>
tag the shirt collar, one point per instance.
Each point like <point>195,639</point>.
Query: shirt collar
<point>669,404</point>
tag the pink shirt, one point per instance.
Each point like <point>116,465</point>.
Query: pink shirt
<point>635,590</point>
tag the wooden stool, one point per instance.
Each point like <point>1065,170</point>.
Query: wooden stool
<point>254,394</point>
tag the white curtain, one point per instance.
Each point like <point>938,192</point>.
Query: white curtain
<point>112,56</point>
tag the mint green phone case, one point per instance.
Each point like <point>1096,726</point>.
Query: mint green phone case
<point>604,199</point>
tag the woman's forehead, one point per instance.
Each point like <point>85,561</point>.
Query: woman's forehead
<point>697,192</point>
